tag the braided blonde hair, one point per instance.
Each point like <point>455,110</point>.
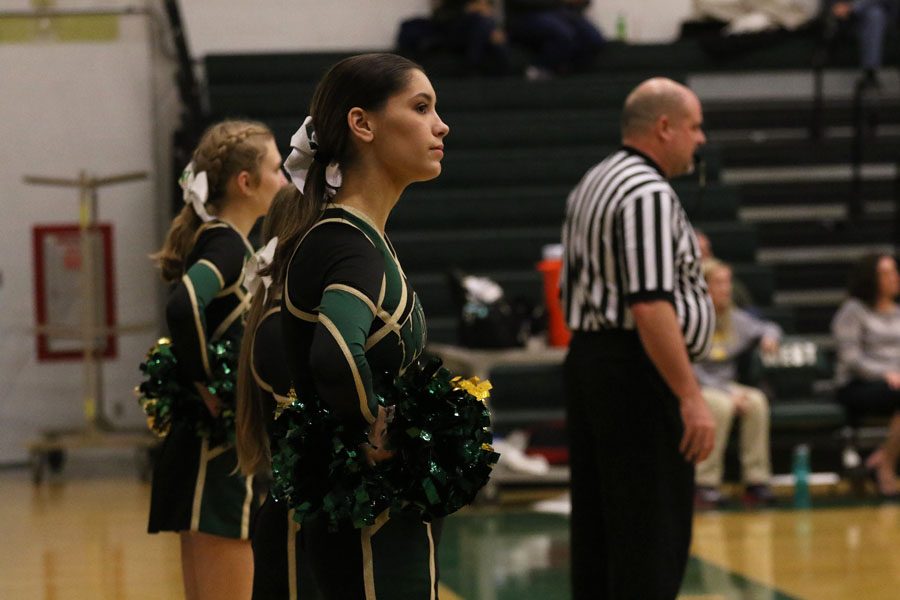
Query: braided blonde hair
<point>225,150</point>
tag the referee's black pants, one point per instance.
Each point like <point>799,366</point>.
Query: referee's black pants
<point>632,490</point>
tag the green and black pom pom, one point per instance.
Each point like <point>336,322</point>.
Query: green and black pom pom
<point>440,435</point>
<point>166,401</point>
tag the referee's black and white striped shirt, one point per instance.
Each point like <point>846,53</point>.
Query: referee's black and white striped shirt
<point>627,239</point>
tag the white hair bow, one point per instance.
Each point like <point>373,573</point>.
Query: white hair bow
<point>196,191</point>
<point>303,152</point>
<point>258,262</point>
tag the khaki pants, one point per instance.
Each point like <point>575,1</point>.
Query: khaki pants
<point>754,442</point>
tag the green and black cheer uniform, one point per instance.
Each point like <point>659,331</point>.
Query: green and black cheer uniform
<point>348,314</point>
<point>280,564</point>
<point>193,485</point>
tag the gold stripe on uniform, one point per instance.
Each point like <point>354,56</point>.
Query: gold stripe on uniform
<point>205,226</point>
<point>198,486</point>
<point>395,257</point>
<point>244,239</point>
<point>432,569</point>
<point>218,451</point>
<point>383,332</point>
<point>233,316</point>
<point>357,380</point>
<point>390,321</point>
<point>218,224</point>
<point>231,289</point>
<point>245,515</point>
<point>292,529</point>
<point>404,297</point>
<point>294,310</point>
<point>366,534</point>
<point>300,314</point>
<point>383,291</point>
<point>269,312</point>
<point>432,564</point>
<point>355,293</point>
<point>332,220</point>
<point>212,267</point>
<point>222,223</point>
<point>264,385</point>
<point>364,218</point>
<point>201,334</point>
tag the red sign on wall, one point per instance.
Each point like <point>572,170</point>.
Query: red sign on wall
<point>60,300</point>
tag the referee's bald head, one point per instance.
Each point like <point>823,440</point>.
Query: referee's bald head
<point>651,100</point>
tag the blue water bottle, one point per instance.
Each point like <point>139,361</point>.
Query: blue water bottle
<point>801,476</point>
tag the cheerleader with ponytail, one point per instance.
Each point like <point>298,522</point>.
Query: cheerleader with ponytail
<point>280,565</point>
<point>349,314</point>
<point>230,183</point>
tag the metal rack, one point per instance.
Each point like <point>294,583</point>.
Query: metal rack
<point>49,449</point>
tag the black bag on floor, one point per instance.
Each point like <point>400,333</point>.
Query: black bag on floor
<point>487,318</point>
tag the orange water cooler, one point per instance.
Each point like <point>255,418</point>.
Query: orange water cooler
<point>551,266</point>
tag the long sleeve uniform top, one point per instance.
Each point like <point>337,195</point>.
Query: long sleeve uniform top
<point>349,314</point>
<point>268,364</point>
<point>719,368</point>
<point>209,301</point>
<point>868,342</point>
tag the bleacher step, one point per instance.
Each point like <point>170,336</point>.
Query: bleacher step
<point>816,297</point>
<point>791,173</point>
<point>821,254</point>
<point>806,212</point>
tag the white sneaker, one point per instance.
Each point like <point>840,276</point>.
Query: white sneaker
<point>516,460</point>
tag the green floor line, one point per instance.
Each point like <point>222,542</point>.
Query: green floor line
<point>705,578</point>
<point>525,556</point>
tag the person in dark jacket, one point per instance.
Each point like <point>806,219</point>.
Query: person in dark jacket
<point>558,30</point>
<point>471,28</point>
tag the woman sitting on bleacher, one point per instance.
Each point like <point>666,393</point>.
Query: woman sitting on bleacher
<point>736,332</point>
<point>867,331</point>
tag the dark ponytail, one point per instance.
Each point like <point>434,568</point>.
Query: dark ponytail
<point>365,81</point>
<point>252,442</point>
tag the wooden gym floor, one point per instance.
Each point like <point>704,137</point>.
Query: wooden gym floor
<point>80,535</point>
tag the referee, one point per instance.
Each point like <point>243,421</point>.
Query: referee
<point>637,305</point>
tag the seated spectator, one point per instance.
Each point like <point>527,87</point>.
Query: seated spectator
<point>740,295</point>
<point>755,16</point>
<point>470,27</point>
<point>873,17</point>
<point>736,332</point>
<point>867,331</point>
<point>558,30</point>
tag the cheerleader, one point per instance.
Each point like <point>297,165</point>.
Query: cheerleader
<point>280,568</point>
<point>348,311</point>
<point>234,174</point>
